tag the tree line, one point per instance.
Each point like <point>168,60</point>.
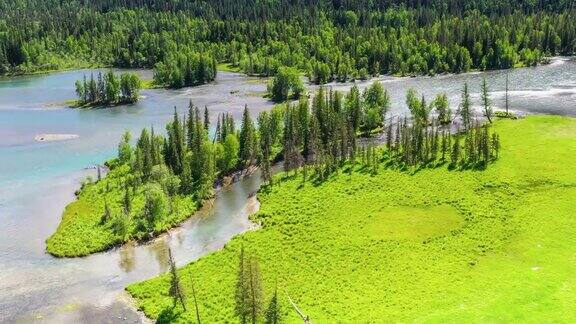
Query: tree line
<point>325,40</point>
<point>185,68</point>
<point>108,89</point>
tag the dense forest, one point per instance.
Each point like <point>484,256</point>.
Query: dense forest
<point>326,40</point>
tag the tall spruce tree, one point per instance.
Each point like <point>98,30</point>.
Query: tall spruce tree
<point>242,295</point>
<point>486,101</point>
<point>248,153</point>
<point>256,290</point>
<point>176,291</point>
<point>466,108</point>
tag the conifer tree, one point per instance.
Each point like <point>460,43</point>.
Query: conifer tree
<point>507,100</point>
<point>486,101</point>
<point>354,107</point>
<point>455,153</point>
<point>248,147</point>
<point>265,144</point>
<point>256,291</point>
<point>465,108</point>
<point>195,300</point>
<point>273,315</point>
<point>145,150</point>
<point>242,308</point>
<point>176,291</point>
<point>206,118</point>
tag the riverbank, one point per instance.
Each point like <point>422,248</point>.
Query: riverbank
<point>89,226</point>
<point>98,221</point>
<point>435,245</point>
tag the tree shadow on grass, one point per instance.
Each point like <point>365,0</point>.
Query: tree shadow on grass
<point>168,315</point>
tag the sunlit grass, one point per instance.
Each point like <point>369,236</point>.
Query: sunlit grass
<point>436,246</point>
<point>82,231</point>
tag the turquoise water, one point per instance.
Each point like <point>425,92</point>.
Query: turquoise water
<point>38,179</point>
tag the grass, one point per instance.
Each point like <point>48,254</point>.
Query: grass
<point>435,246</point>
<point>149,84</point>
<point>227,67</point>
<point>82,232</point>
<point>413,223</point>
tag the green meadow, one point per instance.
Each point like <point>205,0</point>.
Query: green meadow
<point>433,245</point>
<point>83,230</point>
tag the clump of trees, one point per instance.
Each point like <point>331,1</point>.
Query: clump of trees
<point>249,293</point>
<point>416,144</point>
<point>108,89</point>
<point>285,85</point>
<point>185,68</point>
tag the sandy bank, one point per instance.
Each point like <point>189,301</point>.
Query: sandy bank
<point>54,137</point>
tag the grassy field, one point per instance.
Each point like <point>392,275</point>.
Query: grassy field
<point>431,246</point>
<point>82,231</point>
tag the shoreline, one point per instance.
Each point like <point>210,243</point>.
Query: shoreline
<point>225,67</point>
<point>206,205</point>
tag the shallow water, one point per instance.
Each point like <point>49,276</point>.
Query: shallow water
<point>548,89</point>
<point>37,179</point>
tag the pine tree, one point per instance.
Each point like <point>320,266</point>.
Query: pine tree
<point>176,148</point>
<point>273,315</point>
<point>191,126</point>
<point>101,90</point>
<point>93,90</point>
<point>486,101</point>
<point>455,153</point>
<point>354,107</point>
<point>146,157</point>
<point>218,131</point>
<point>242,295</point>
<point>247,139</point>
<point>195,300</point>
<point>176,291</point>
<point>507,103</point>
<point>206,118</point>
<point>265,144</point>
<point>465,108</point>
<point>256,290</point>
<point>86,90</point>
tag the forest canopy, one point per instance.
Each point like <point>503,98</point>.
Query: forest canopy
<point>327,40</point>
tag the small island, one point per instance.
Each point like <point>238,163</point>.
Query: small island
<point>107,90</point>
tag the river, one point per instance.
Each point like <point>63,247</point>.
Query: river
<point>38,179</point>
